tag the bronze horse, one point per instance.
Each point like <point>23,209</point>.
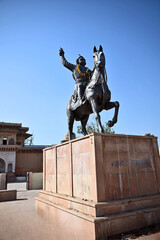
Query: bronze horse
<point>97,95</point>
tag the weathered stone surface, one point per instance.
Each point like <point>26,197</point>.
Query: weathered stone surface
<point>106,184</point>
<point>3,181</point>
<point>8,195</point>
<point>34,181</point>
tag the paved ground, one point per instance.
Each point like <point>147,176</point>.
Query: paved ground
<point>19,221</point>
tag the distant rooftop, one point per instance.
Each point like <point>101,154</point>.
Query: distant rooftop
<point>37,146</point>
<point>7,125</point>
<point>10,124</point>
<point>14,127</point>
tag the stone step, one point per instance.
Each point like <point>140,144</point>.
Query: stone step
<point>106,225</point>
<point>102,208</point>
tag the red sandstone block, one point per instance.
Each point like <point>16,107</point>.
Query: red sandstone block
<point>8,195</point>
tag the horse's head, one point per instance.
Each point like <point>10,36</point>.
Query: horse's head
<point>98,58</point>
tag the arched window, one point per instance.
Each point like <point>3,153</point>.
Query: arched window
<point>11,141</point>
<point>10,167</point>
<point>2,165</point>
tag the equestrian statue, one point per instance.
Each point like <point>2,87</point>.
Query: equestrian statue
<point>91,93</point>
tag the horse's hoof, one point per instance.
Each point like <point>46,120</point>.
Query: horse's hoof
<point>110,123</point>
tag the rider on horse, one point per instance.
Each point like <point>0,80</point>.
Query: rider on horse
<point>80,74</point>
<point>97,93</point>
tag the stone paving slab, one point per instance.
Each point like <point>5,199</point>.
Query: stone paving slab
<point>19,186</point>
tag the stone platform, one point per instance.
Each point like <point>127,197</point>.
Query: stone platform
<point>101,185</point>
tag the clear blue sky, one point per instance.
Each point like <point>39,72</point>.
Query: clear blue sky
<point>35,87</point>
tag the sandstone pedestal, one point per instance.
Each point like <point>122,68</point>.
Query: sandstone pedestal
<point>100,185</point>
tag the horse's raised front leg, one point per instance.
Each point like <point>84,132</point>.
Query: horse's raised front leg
<point>111,105</point>
<point>96,114</point>
<point>70,117</point>
<point>83,123</point>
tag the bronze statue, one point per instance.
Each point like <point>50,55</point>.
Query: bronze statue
<point>80,74</point>
<point>91,94</point>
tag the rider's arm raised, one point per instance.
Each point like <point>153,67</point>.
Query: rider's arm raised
<point>65,63</point>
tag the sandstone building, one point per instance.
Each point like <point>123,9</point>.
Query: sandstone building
<point>15,156</point>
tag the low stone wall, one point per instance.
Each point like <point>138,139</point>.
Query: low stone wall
<point>11,177</point>
<point>8,195</point>
<point>3,181</point>
<point>34,181</point>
